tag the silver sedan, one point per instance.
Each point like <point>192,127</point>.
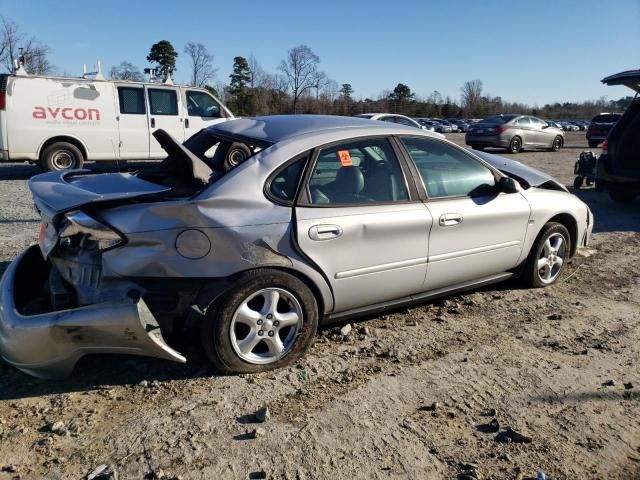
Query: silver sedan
<point>515,133</point>
<point>257,231</point>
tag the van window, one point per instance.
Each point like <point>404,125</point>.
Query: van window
<point>131,100</point>
<point>199,104</point>
<point>163,102</point>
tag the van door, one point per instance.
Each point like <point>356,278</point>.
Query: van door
<point>202,110</point>
<point>165,111</point>
<point>133,123</point>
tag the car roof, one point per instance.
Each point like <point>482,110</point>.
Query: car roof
<point>277,128</point>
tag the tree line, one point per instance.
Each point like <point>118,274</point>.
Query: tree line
<point>298,85</point>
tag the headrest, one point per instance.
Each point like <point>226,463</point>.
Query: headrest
<point>349,179</point>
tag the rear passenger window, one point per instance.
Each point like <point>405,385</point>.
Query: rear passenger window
<point>447,171</point>
<point>131,100</point>
<point>524,122</point>
<point>285,184</point>
<point>163,102</point>
<point>360,172</point>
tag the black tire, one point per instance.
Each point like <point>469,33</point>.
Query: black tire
<point>593,143</point>
<point>621,196</point>
<point>237,153</point>
<point>61,156</point>
<point>476,147</point>
<point>531,275</point>
<point>557,144</point>
<point>216,326</point>
<point>515,145</point>
<point>577,182</point>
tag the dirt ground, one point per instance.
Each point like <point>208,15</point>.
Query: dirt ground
<point>435,391</point>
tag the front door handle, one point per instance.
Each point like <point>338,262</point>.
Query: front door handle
<point>186,123</point>
<point>324,232</point>
<point>450,219</point>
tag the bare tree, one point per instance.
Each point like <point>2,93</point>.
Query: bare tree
<point>472,97</point>
<point>35,53</point>
<point>301,71</point>
<point>258,75</point>
<point>202,71</point>
<point>126,71</point>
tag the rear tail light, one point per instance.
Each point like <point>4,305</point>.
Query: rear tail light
<point>501,129</point>
<point>605,146</point>
<point>3,91</point>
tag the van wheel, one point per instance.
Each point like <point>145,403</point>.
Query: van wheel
<point>61,156</point>
<point>238,153</point>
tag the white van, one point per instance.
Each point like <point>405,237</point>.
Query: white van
<point>60,123</point>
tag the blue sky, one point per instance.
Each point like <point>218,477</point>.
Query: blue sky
<point>531,51</point>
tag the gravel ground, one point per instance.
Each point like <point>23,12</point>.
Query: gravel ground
<point>437,391</point>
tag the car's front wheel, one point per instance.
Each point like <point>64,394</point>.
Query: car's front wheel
<point>557,144</point>
<point>548,256</point>
<point>266,320</point>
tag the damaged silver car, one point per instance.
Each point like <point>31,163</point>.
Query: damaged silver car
<point>258,230</point>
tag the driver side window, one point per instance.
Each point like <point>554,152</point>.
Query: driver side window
<point>447,171</point>
<point>199,104</point>
<point>357,172</point>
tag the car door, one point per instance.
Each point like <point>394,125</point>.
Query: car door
<point>541,134</point>
<point>133,123</point>
<point>525,130</point>
<point>359,220</point>
<point>202,110</point>
<point>165,111</point>
<point>477,231</point>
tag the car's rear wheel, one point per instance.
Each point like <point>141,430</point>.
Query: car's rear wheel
<point>557,144</point>
<point>515,145</point>
<point>593,143</point>
<point>61,156</point>
<point>476,147</point>
<point>548,256</point>
<point>267,320</point>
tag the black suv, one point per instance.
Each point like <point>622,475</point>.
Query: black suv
<point>618,168</point>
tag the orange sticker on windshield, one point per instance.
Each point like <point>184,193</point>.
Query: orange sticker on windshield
<point>345,158</point>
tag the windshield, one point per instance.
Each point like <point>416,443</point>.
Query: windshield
<point>498,119</point>
<point>607,118</point>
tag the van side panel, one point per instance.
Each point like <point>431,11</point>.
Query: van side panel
<point>39,109</point>
<point>3,122</point>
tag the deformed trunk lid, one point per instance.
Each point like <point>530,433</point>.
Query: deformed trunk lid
<point>630,78</point>
<point>57,192</point>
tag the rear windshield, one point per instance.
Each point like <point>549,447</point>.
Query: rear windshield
<point>607,118</point>
<point>498,119</point>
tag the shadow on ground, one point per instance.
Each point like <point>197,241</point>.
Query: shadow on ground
<point>610,216</point>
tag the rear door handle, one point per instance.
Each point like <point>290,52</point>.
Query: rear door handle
<point>324,232</point>
<point>450,219</point>
<point>153,123</point>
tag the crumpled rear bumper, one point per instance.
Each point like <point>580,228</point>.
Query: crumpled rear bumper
<point>48,345</point>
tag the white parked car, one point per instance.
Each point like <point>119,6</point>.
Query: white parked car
<point>59,123</point>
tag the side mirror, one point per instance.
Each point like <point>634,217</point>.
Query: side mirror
<point>508,185</point>
<point>545,126</point>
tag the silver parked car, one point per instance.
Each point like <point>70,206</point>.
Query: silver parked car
<point>514,133</point>
<point>259,230</point>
